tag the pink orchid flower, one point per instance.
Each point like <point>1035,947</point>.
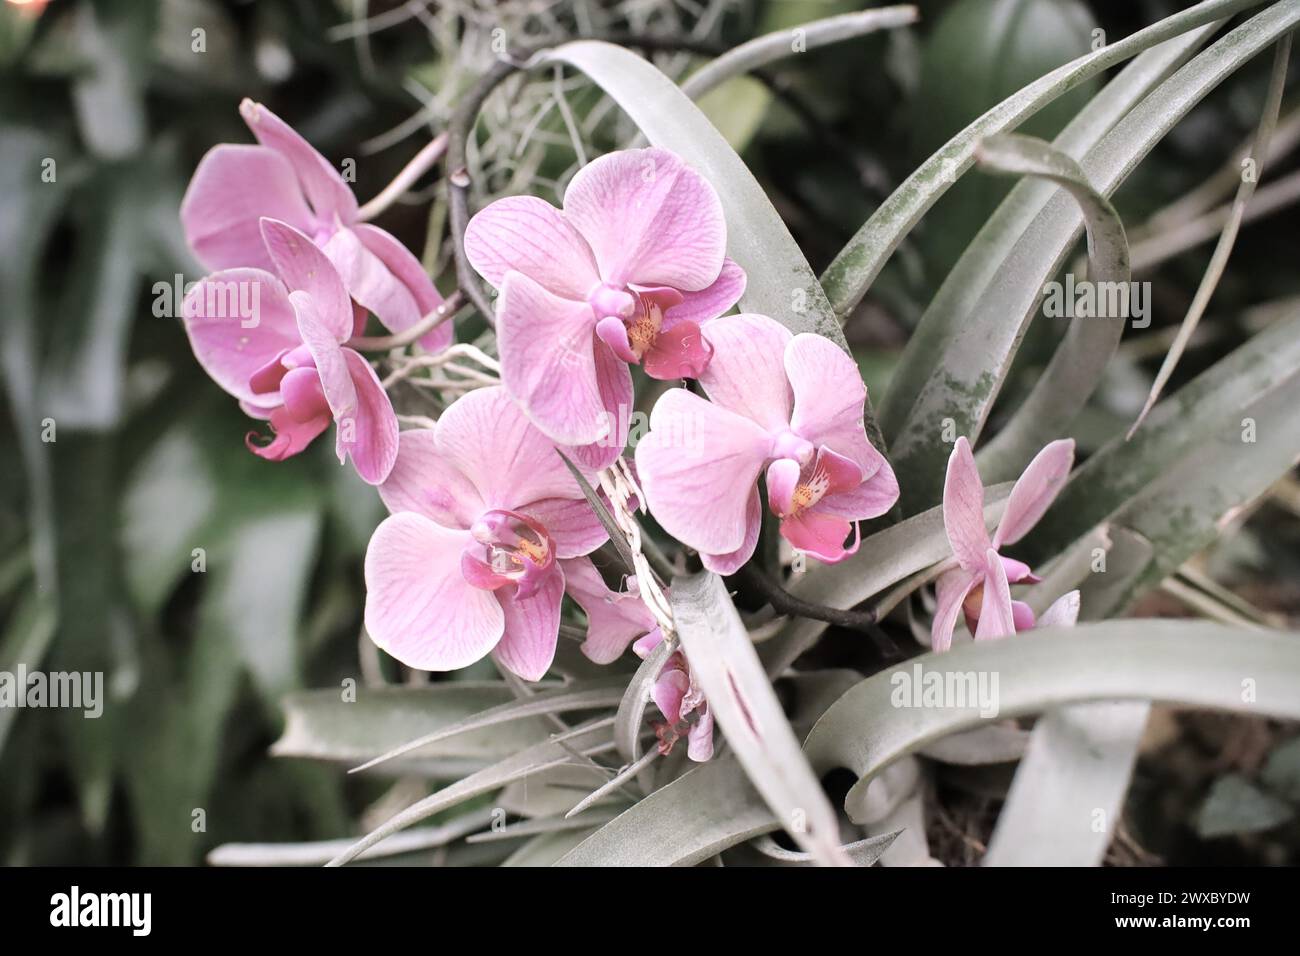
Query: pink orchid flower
<point>616,619</point>
<point>285,178</point>
<point>790,404</point>
<point>980,585</point>
<point>626,273</point>
<point>276,344</point>
<point>469,563</point>
<point>677,696</point>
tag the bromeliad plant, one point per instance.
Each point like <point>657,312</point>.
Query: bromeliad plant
<point>530,518</point>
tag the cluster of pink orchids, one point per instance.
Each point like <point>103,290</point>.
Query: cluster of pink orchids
<point>488,528</point>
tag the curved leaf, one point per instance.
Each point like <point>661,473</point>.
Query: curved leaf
<point>847,278</point>
<point>1193,663</point>
<point>742,701</point>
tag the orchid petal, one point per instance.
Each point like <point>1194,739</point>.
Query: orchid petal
<point>233,187</point>
<point>374,440</point>
<point>487,437</point>
<point>746,374</point>
<point>529,235</point>
<point>548,361</point>
<point>424,481</point>
<point>709,303</point>
<point>997,617</point>
<point>697,466</point>
<point>963,508</point>
<point>419,608</point>
<point>949,592</point>
<point>677,352</point>
<point>1035,491</point>
<point>829,399</point>
<point>369,281</point>
<point>649,219</point>
<point>1063,612</point>
<point>532,628</point>
<point>820,535</point>
<point>232,348</point>
<point>328,194</point>
<point>304,267</point>
<point>730,562</point>
<point>573,526</point>
<point>614,620</point>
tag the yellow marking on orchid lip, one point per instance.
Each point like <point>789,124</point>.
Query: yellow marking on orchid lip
<point>537,552</point>
<point>808,493</point>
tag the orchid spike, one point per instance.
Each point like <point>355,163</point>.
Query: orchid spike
<point>484,517</point>
<point>275,342</point>
<point>788,404</point>
<point>980,585</point>
<point>285,178</point>
<point>627,272</point>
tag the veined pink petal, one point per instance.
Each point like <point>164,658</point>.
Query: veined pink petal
<point>487,437</point>
<point>372,440</point>
<point>532,627</point>
<point>614,382</point>
<point>1022,615</point>
<point>328,194</point>
<point>949,592</point>
<point>829,398</point>
<point>232,342</point>
<point>997,617</point>
<point>963,508</point>
<point>746,373</point>
<point>419,608</point>
<point>233,187</point>
<point>711,302</point>
<point>668,692</point>
<point>1063,612</point>
<point>820,535</point>
<point>614,619</point>
<point>677,352</point>
<point>290,436</point>
<point>1035,491</point>
<point>1018,572</point>
<point>529,235</point>
<point>327,354</point>
<point>649,219</point>
<point>571,523</point>
<point>697,466</point>
<point>731,561</point>
<point>870,499</point>
<point>369,281</point>
<point>548,361</point>
<point>304,267</point>
<point>424,481</point>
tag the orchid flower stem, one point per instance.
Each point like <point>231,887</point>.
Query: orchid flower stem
<point>404,180</point>
<point>383,343</point>
<point>783,602</point>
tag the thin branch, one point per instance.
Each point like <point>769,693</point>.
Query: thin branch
<point>420,163</point>
<point>783,602</point>
<point>382,343</point>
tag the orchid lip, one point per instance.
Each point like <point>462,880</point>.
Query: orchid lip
<point>508,548</point>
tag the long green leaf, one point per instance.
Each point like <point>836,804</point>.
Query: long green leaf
<point>550,753</point>
<point>1080,359</point>
<point>1192,663</point>
<point>847,279</point>
<point>742,701</point>
<point>971,370</point>
<point>984,259</point>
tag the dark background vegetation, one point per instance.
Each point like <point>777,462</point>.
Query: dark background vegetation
<point>98,528</point>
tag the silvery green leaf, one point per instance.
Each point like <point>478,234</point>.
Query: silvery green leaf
<point>742,702</point>
<point>1235,805</point>
<point>1192,663</point>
